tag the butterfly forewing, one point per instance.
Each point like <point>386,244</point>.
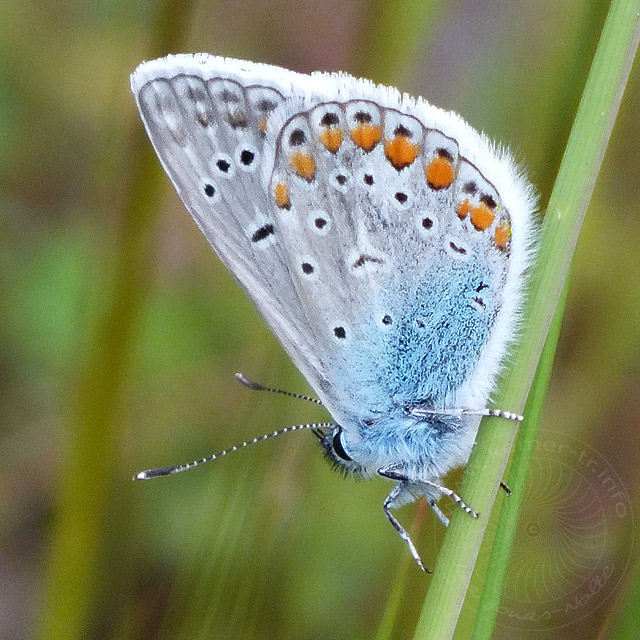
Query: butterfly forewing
<point>209,128</point>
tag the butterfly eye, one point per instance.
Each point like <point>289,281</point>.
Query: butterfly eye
<point>338,448</point>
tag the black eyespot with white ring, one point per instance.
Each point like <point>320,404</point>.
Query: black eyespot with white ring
<point>224,166</point>
<point>319,222</point>
<point>426,223</point>
<point>339,180</point>
<point>308,267</point>
<point>340,332</point>
<point>211,191</point>
<point>247,158</point>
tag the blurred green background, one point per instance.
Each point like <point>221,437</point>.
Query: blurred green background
<point>121,332</point>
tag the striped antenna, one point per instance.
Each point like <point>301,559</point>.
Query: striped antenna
<point>256,386</point>
<point>179,468</point>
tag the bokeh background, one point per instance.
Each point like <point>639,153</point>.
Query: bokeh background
<point>121,332</point>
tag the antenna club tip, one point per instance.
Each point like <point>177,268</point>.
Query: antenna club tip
<point>154,473</point>
<point>246,382</point>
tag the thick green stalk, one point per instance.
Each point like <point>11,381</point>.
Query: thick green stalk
<point>510,510</point>
<point>563,220</point>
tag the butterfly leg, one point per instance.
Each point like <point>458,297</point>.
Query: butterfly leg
<point>454,496</point>
<point>506,489</point>
<point>395,499</point>
<point>436,509</point>
<point>428,490</point>
<point>496,413</point>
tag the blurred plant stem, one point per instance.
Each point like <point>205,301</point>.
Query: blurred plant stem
<point>563,220</point>
<point>625,625</point>
<point>87,483</point>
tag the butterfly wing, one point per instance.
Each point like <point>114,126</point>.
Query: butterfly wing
<point>207,118</point>
<point>386,263</point>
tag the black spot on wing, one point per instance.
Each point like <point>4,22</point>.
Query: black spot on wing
<point>364,258</point>
<point>263,232</point>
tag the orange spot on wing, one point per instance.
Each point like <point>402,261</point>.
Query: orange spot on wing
<point>281,193</point>
<point>502,235</point>
<point>482,216</point>
<point>463,209</point>
<point>440,173</point>
<point>331,138</point>
<point>366,135</point>
<point>401,152</point>
<point>304,164</point>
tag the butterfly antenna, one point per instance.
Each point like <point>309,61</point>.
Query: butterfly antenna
<point>179,468</point>
<point>255,386</point>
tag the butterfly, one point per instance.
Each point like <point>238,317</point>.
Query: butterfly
<point>384,241</point>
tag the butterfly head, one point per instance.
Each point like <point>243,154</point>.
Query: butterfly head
<point>336,451</point>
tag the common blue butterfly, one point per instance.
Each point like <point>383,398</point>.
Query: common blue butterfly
<point>383,240</point>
